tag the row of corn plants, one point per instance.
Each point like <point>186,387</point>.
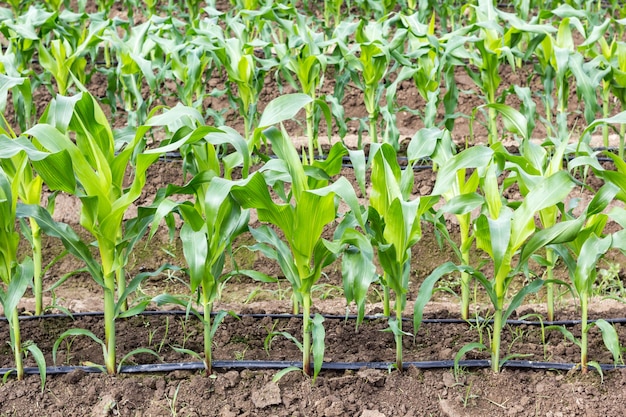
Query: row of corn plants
<point>73,149</point>
<point>249,44</point>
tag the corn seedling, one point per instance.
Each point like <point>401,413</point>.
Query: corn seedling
<point>395,226</point>
<point>92,170</point>
<point>211,222</point>
<point>16,276</point>
<point>308,207</point>
<point>303,57</point>
<point>458,183</point>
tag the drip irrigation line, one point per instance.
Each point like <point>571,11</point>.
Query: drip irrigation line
<point>327,366</point>
<point>402,160</point>
<point>286,316</point>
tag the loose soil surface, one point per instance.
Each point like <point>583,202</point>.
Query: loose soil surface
<point>361,392</point>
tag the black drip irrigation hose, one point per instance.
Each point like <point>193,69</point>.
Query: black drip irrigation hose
<point>327,366</point>
<point>402,160</point>
<point>566,323</point>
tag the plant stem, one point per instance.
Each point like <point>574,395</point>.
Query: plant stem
<point>500,290</point>
<point>37,283</point>
<point>495,342</point>
<point>373,133</point>
<point>17,345</point>
<point>622,133</point>
<point>583,334</point>
<point>398,335</point>
<point>121,287</point>
<point>550,284</point>
<point>605,111</point>
<point>309,130</point>
<point>465,277</point>
<point>386,297</point>
<point>493,126</point>
<point>306,333</point>
<point>109,323</point>
<point>106,253</point>
<point>208,341</point>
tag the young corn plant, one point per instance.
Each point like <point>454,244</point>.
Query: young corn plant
<point>613,84</point>
<point>426,61</point>
<point>308,207</point>
<point>16,276</point>
<point>458,182</point>
<point>247,75</point>
<point>189,66</point>
<point>394,224</point>
<point>534,163</point>
<point>368,64</point>
<point>210,224</point>
<point>501,231</point>
<point>65,62</point>
<point>18,168</point>
<point>136,64</point>
<point>581,256</point>
<point>91,165</point>
<point>24,32</point>
<point>303,59</point>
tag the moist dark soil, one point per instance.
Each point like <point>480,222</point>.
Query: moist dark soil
<point>359,392</point>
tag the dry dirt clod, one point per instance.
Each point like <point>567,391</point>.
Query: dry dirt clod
<point>372,376</point>
<point>448,380</point>
<point>104,407</point>
<point>449,408</point>
<point>266,396</point>
<point>372,413</point>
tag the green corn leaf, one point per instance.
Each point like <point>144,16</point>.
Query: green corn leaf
<point>518,298</point>
<point>253,193</point>
<point>610,339</point>
<point>500,239</point>
<point>463,351</point>
<point>21,279</point>
<point>267,236</point>
<point>514,121</point>
<point>424,143</point>
<point>195,249</point>
<point>474,157</point>
<point>358,269</point>
<point>284,372</point>
<point>40,360</point>
<point>70,239</point>
<point>463,203</point>
<point>319,335</point>
<point>602,198</point>
<point>256,275</point>
<point>592,250</point>
<point>385,179</point>
<point>75,332</point>
<point>357,158</point>
<point>312,214</point>
<point>562,232</point>
<point>566,333</point>
<point>285,150</point>
<point>217,320</point>
<point>426,291</point>
<point>283,108</point>
<point>189,352</point>
<point>619,118</point>
<point>133,352</point>
<point>550,191</point>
